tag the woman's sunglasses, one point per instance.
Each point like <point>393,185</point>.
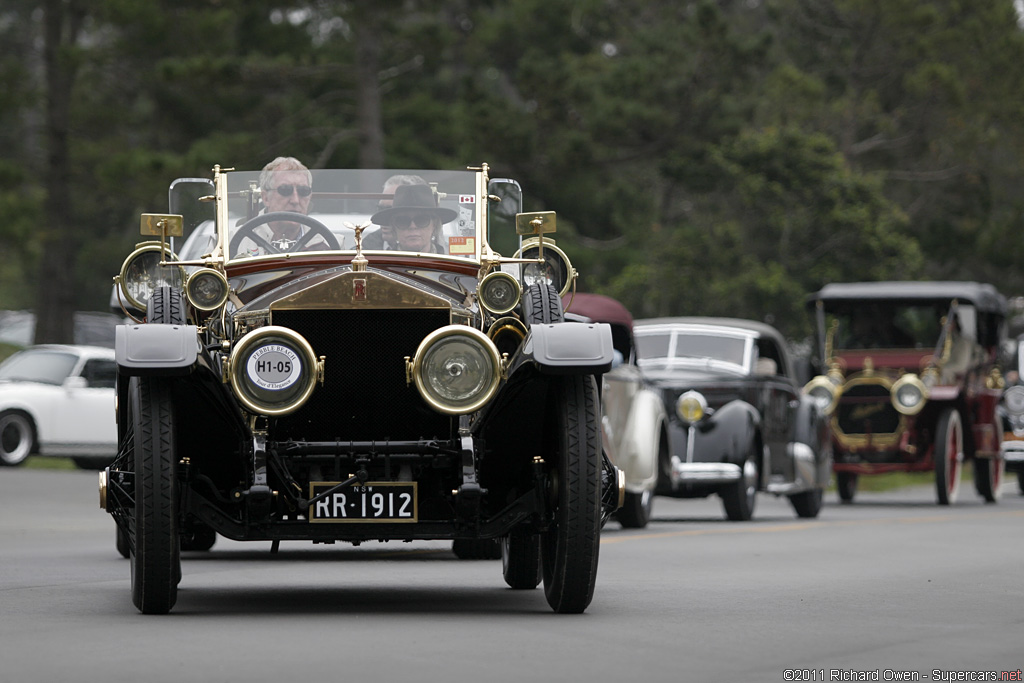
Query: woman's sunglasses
<point>286,190</point>
<point>403,220</point>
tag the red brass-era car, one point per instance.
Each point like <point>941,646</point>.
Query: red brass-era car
<point>911,379</point>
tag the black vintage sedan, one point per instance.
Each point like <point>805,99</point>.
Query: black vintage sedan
<point>738,421</point>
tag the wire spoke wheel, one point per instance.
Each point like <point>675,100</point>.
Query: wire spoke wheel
<point>949,456</point>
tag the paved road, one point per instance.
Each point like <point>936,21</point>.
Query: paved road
<point>892,583</point>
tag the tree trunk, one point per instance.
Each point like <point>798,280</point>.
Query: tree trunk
<point>370,126</point>
<point>55,293</point>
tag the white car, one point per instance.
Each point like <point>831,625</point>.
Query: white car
<point>58,400</point>
<point>634,424</point>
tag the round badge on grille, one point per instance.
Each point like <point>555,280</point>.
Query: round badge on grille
<point>273,370</point>
<point>274,367</point>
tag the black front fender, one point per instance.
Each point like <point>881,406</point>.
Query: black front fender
<point>729,435</point>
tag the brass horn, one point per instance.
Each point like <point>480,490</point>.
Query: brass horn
<point>507,334</point>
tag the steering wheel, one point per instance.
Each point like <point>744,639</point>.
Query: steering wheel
<point>315,226</point>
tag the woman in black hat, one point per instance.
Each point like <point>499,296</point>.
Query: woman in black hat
<point>416,219</point>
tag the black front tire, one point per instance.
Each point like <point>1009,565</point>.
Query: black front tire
<point>156,559</point>
<point>988,477</point>
<point>520,561</point>
<point>197,537</point>
<point>477,548</point>
<point>807,504</point>
<point>88,463</point>
<point>636,509</point>
<point>740,498</point>
<point>846,484</point>
<point>569,547</point>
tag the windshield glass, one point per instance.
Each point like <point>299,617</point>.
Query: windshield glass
<point>413,211</point>
<point>893,325</point>
<point>43,366</point>
<point>688,346</point>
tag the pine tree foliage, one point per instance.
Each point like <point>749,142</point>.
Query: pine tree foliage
<point>717,157</point>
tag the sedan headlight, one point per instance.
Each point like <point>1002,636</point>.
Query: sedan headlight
<point>1013,399</point>
<point>456,369</point>
<point>141,274</point>
<point>909,394</point>
<point>691,407</point>
<point>207,289</point>
<point>273,370</point>
<point>824,392</point>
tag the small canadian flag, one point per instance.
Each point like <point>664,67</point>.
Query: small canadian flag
<point>467,199</point>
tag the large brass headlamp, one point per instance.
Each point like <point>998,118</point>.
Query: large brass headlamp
<point>909,394</point>
<point>457,369</point>
<point>273,370</point>
<point>825,392</point>
<point>141,273</point>
<point>555,269</point>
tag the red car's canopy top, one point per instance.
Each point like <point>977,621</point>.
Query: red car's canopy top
<point>982,296</point>
<point>599,308</point>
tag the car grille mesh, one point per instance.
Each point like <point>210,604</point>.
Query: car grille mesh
<point>867,409</point>
<point>364,395</point>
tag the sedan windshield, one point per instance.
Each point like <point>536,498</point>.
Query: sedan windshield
<point>43,366</point>
<point>669,346</point>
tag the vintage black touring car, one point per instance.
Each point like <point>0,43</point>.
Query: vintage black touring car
<point>292,383</point>
<point>911,379</point>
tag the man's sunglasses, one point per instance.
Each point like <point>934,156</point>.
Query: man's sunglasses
<point>286,190</point>
<point>403,220</point>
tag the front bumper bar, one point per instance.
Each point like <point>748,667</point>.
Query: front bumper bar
<point>704,472</point>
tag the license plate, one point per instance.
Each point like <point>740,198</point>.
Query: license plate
<point>371,502</point>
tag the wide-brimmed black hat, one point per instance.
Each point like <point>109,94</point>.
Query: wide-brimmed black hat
<point>413,198</point>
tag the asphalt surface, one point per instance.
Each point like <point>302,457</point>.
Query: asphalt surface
<point>891,584</point>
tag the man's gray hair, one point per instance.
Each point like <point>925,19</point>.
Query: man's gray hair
<point>282,164</point>
<point>396,180</point>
